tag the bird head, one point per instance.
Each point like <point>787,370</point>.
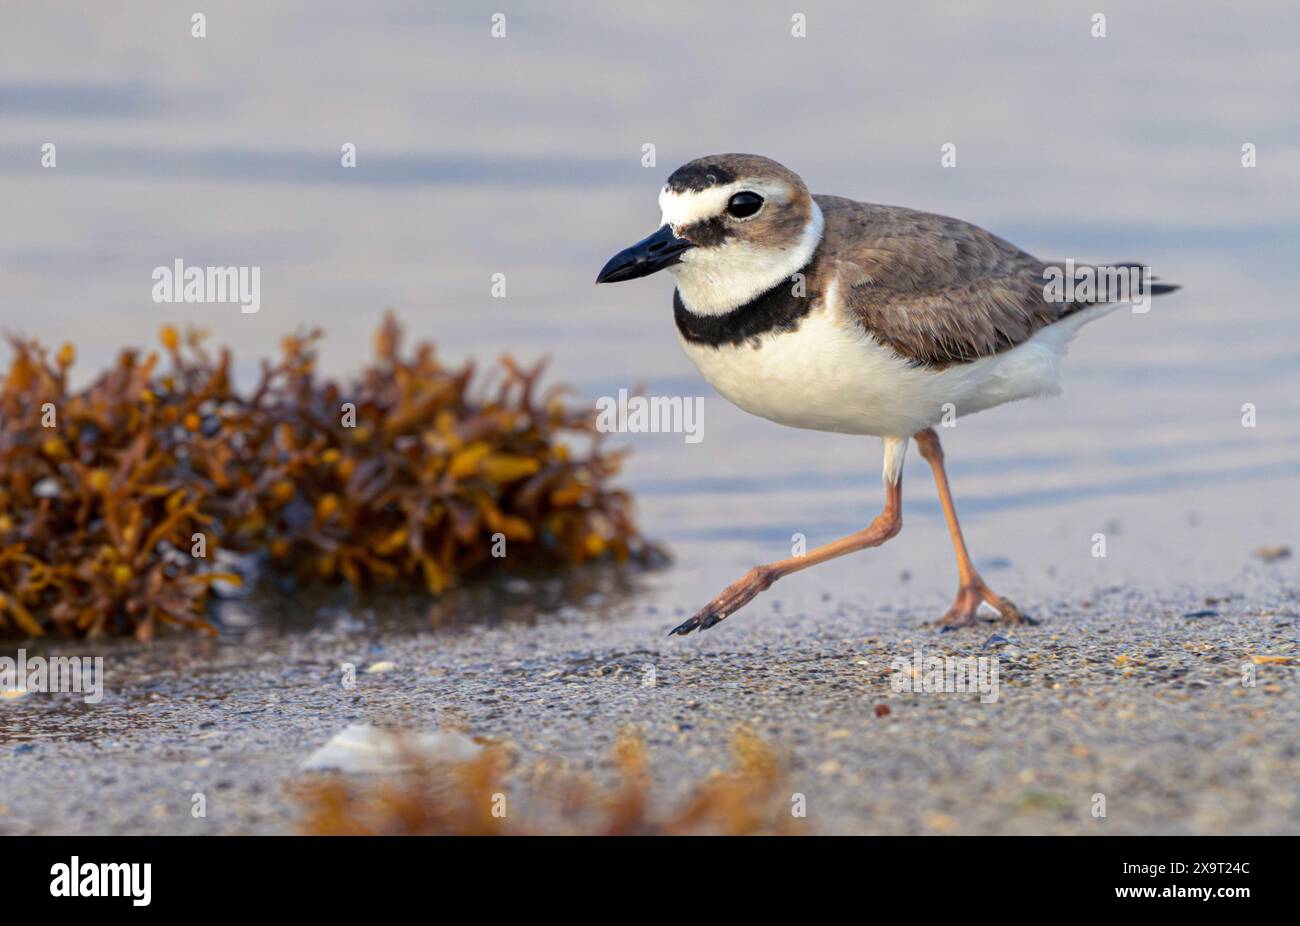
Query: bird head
<point>732,226</point>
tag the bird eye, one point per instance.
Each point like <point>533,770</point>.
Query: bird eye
<point>744,204</point>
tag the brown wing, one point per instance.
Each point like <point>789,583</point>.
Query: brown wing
<point>937,290</point>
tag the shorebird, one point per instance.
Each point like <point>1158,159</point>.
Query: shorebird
<point>826,313</point>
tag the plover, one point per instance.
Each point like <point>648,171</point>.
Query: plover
<point>826,313</point>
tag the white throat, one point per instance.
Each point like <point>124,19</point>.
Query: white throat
<point>713,281</point>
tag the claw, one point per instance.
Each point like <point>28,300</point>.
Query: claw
<point>1013,615</point>
<point>685,627</point>
<point>733,598</point>
<point>966,612</point>
<point>701,621</point>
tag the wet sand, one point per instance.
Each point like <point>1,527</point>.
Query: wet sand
<point>1118,693</point>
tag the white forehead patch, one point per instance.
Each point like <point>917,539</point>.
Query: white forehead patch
<point>689,207</point>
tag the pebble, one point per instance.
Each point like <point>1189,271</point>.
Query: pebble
<point>1272,553</point>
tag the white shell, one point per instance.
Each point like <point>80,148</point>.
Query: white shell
<point>366,749</point>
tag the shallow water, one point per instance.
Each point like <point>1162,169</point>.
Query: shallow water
<point>523,155</point>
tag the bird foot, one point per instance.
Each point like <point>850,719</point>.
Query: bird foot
<point>965,611</point>
<point>734,597</point>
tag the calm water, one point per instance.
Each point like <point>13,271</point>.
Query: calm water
<point>522,155</point>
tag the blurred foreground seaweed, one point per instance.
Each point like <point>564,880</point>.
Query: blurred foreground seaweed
<point>471,798</point>
<point>116,498</point>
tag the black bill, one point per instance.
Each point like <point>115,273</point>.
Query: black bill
<point>660,250</point>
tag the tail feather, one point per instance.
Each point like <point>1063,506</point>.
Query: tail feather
<point>1154,288</point>
<point>1157,289</point>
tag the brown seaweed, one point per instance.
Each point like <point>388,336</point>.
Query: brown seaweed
<point>116,498</point>
<point>750,798</point>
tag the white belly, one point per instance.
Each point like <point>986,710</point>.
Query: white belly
<point>830,375</point>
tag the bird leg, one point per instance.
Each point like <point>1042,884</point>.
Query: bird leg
<point>971,590</point>
<point>735,596</point>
